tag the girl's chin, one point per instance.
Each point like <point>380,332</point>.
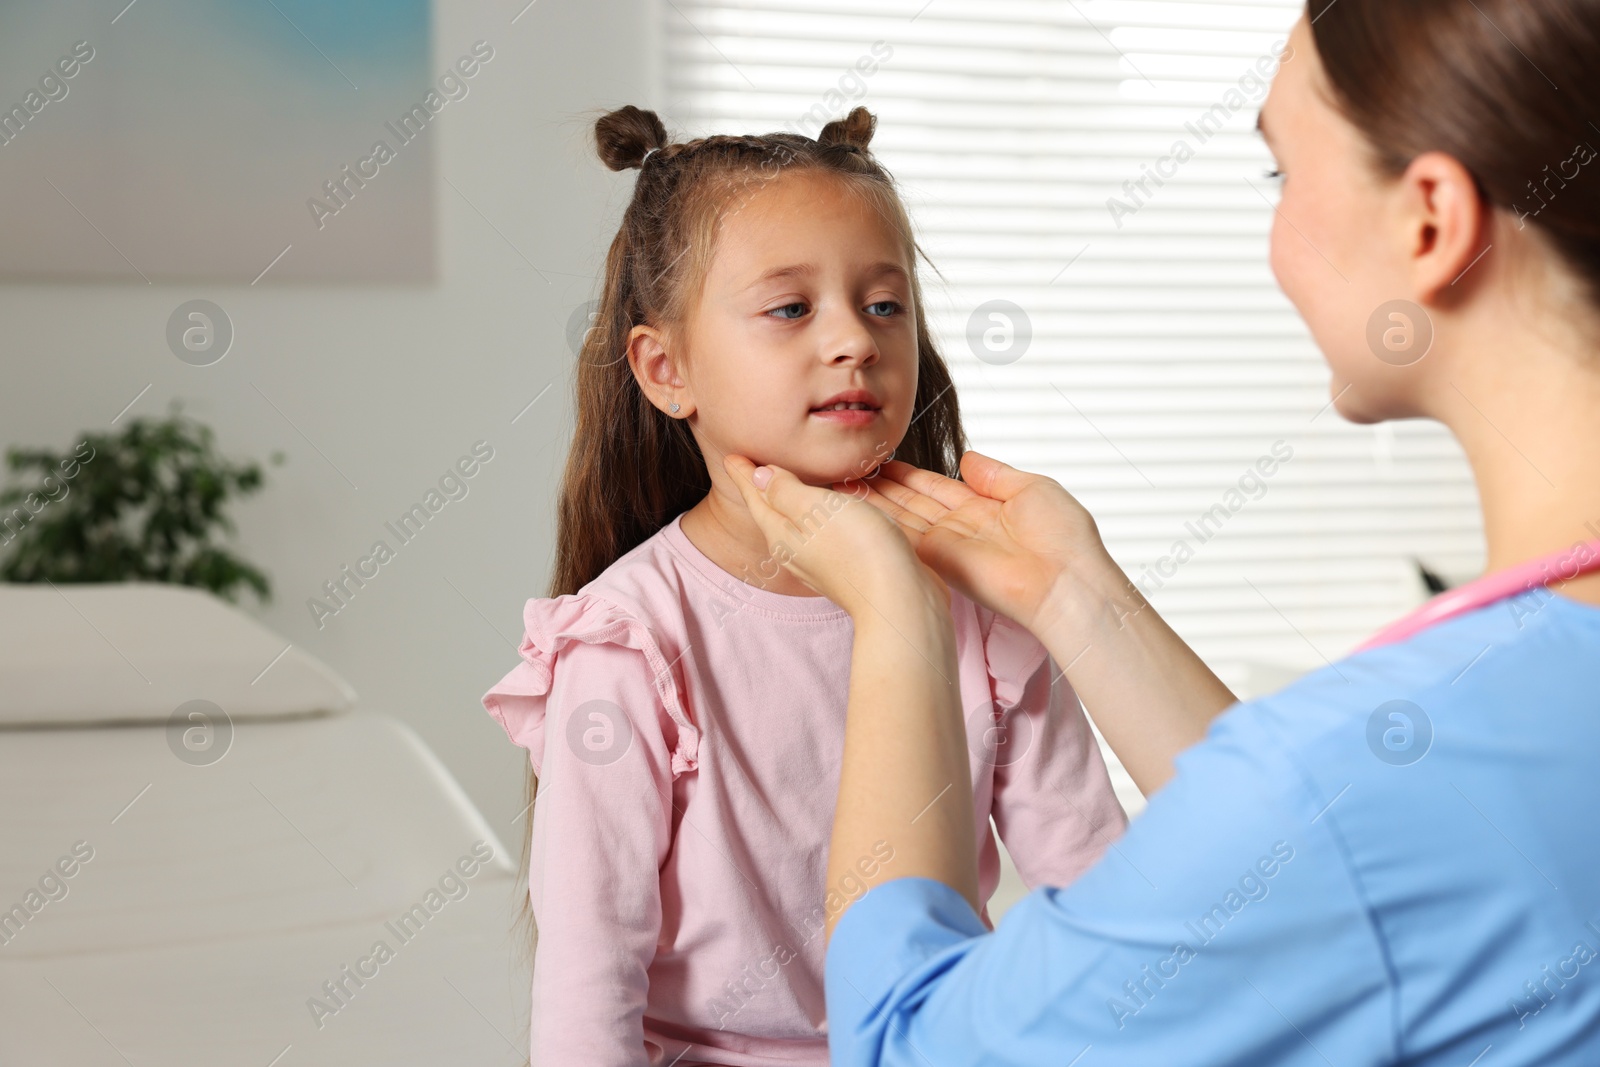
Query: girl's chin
<point>824,478</point>
<point>832,461</point>
<point>825,475</point>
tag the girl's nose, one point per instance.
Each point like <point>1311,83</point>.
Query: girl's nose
<point>848,340</point>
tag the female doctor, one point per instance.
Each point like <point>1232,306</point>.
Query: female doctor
<point>1395,860</point>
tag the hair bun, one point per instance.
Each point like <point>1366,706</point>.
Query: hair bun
<point>855,130</point>
<point>625,136</point>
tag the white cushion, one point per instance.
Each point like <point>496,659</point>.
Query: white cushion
<point>104,653</point>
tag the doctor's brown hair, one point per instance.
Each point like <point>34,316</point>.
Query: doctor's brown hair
<point>1508,88</point>
<point>632,467</point>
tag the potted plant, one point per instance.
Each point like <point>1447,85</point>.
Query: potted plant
<point>146,504</point>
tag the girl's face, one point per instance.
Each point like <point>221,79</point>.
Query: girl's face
<point>808,298</point>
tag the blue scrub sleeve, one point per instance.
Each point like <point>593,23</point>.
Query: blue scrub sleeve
<point>1225,927</point>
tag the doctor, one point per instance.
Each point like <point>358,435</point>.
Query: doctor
<point>1395,860</point>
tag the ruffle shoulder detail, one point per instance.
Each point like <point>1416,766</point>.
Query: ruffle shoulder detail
<point>550,625</point>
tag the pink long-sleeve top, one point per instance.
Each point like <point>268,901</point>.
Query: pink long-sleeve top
<point>687,729</point>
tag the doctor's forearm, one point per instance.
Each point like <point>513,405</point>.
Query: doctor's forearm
<point>905,782</point>
<point>1146,689</point>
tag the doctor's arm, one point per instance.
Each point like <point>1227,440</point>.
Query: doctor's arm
<point>1225,927</point>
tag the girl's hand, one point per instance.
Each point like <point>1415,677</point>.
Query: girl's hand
<point>849,552</point>
<point>1004,537</point>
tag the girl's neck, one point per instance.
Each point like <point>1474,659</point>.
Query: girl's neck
<point>726,534</point>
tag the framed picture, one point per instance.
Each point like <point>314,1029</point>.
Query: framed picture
<point>252,141</point>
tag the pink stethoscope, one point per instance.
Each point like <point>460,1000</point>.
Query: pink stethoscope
<point>1562,566</point>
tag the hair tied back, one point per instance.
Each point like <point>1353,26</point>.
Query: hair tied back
<point>626,137</point>
<point>853,133</point>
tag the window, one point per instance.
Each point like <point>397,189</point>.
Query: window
<point>1139,351</point>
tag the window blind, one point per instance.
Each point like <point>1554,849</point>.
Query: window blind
<point>1096,204</point>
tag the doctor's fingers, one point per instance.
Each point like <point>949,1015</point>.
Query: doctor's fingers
<point>905,517</point>
<point>946,492</point>
<point>910,500</point>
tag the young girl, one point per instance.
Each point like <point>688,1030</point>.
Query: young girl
<point>682,696</point>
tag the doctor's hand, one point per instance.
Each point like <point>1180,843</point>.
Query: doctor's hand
<point>847,551</point>
<point>1005,538</point>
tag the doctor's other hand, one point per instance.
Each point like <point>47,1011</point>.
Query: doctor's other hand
<point>1009,540</point>
<point>849,552</point>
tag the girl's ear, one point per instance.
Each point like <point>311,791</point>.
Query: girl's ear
<point>657,373</point>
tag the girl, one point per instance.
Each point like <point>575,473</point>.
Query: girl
<point>681,695</point>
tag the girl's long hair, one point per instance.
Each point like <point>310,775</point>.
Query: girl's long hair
<point>632,468</point>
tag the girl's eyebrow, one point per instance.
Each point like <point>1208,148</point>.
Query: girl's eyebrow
<point>878,270</point>
<point>806,270</point>
<point>793,270</point>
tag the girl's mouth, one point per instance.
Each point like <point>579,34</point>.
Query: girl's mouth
<point>853,416</point>
<point>855,408</point>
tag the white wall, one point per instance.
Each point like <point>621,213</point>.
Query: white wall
<point>393,384</point>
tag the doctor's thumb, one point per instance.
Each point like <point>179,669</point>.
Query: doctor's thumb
<point>991,478</point>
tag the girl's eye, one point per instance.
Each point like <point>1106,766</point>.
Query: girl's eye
<point>789,311</point>
<point>884,308</point>
<point>1274,175</point>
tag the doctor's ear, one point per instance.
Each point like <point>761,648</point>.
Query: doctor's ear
<point>1445,223</point>
<point>656,371</point>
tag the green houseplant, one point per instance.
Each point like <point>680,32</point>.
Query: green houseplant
<point>146,504</point>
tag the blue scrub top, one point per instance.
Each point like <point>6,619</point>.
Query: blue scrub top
<point>1394,861</point>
